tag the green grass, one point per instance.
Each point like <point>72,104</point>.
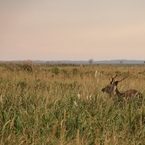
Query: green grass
<point>41,105</point>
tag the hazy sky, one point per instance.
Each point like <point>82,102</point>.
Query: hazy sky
<point>72,29</point>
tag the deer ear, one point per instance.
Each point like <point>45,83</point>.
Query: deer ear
<point>116,83</point>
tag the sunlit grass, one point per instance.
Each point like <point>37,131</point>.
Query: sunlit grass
<point>63,104</point>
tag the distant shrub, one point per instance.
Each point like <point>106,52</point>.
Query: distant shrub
<point>75,71</point>
<point>118,72</point>
<point>55,70</point>
<point>22,84</point>
<point>10,66</point>
<point>65,72</point>
<point>27,66</point>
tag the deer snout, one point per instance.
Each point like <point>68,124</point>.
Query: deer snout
<point>103,90</point>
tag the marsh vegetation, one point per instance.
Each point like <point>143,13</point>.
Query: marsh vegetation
<point>63,104</point>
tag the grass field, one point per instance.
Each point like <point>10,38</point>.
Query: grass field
<point>46,104</point>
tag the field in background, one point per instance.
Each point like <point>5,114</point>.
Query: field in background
<point>64,105</point>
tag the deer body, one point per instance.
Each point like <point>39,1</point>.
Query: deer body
<point>112,89</point>
<point>129,93</point>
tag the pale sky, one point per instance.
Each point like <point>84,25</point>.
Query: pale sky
<point>72,29</point>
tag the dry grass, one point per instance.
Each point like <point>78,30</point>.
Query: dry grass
<point>63,104</point>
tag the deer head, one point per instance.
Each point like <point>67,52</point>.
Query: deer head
<point>111,89</point>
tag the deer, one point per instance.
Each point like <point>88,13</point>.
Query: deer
<point>112,89</point>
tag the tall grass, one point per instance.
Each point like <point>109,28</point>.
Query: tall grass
<point>55,104</point>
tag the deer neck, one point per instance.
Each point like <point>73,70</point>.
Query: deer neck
<point>118,93</point>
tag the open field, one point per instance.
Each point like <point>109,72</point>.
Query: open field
<point>45,104</point>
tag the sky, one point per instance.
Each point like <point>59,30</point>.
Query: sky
<point>72,29</point>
